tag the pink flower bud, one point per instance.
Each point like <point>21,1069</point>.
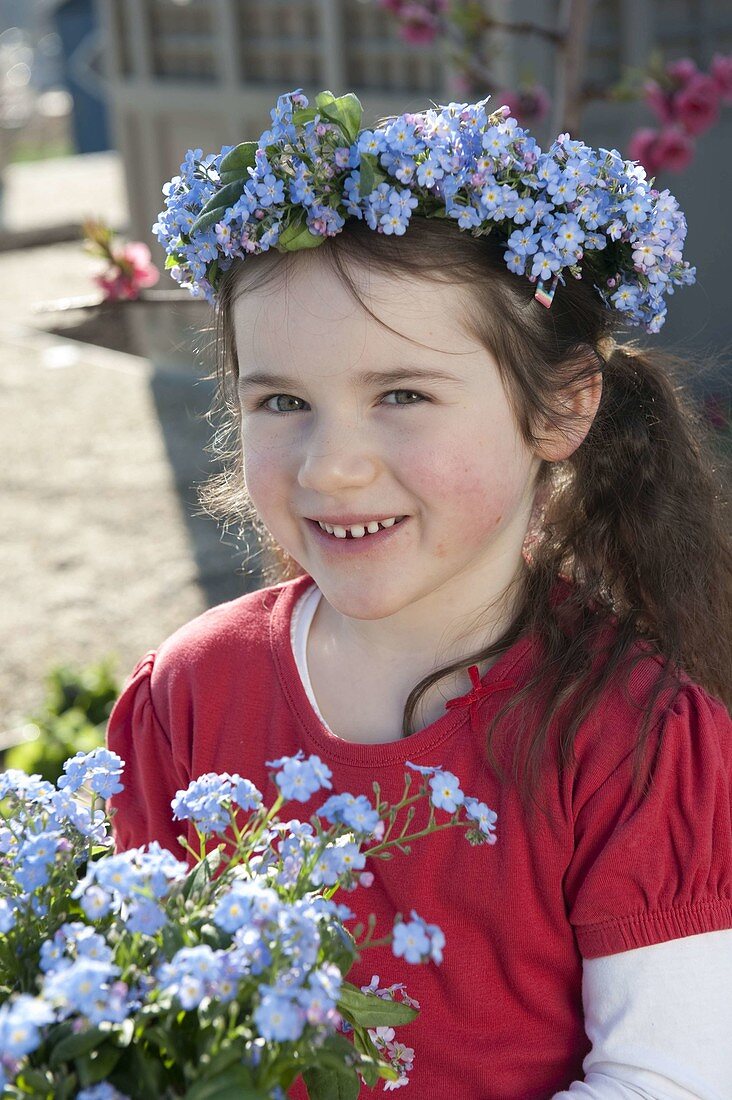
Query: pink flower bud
<point>682,71</point>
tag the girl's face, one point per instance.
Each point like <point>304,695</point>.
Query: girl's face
<point>347,428</point>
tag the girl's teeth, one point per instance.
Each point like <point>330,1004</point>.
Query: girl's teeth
<point>358,530</point>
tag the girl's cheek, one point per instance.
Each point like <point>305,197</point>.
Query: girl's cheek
<point>261,479</point>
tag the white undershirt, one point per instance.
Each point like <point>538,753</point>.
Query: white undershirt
<point>659,1018</point>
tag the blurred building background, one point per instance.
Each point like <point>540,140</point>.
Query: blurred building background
<point>151,78</point>
<point>187,73</point>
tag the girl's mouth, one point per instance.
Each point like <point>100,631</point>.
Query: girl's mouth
<point>353,544</point>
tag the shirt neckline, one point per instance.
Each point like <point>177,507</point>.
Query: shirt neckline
<point>331,747</point>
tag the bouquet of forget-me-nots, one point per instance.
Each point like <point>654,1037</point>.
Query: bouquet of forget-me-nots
<point>136,975</point>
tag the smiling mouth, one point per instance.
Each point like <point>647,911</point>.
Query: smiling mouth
<point>345,534</point>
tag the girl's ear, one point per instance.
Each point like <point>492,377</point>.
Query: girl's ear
<point>576,406</point>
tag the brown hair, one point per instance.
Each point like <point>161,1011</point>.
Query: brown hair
<point>635,518</point>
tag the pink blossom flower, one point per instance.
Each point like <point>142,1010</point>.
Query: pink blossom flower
<point>641,147</point>
<point>721,73</point>
<point>657,150</point>
<point>130,269</point>
<point>697,104</point>
<point>143,271</point>
<point>116,286</point>
<point>674,149</point>
<point>419,26</point>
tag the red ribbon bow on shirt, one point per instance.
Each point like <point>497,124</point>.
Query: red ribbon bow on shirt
<point>478,691</point>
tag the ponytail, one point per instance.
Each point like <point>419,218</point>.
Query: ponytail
<point>649,517</point>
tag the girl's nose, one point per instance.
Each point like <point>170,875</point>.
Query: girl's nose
<point>337,460</point>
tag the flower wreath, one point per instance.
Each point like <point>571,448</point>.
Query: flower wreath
<point>315,168</point>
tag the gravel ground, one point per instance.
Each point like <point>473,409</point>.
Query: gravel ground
<point>101,553</point>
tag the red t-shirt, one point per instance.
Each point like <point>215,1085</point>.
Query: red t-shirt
<point>597,873</point>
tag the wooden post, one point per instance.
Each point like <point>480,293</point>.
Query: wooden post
<point>333,46</point>
<point>569,67</point>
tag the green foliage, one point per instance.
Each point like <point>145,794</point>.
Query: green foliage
<point>297,235</point>
<point>72,719</point>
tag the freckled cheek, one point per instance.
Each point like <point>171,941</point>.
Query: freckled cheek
<point>469,497</point>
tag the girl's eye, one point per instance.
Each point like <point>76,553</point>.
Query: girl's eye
<point>410,393</point>
<point>265,402</point>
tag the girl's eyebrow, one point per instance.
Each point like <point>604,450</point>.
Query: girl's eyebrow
<point>364,378</point>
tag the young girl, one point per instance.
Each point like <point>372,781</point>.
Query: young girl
<point>497,545</point>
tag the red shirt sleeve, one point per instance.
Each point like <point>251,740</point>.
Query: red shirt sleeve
<point>647,869</point>
<point>152,775</point>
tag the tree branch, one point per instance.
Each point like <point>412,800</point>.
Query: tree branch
<point>489,23</point>
<point>574,19</point>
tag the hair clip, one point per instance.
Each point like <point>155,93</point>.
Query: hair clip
<point>544,296</point>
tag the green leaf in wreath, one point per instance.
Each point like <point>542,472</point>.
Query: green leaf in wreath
<point>297,236</point>
<point>213,211</point>
<point>205,221</point>
<point>351,113</point>
<point>366,175</point>
<point>240,158</point>
<point>234,177</point>
<point>332,1084</point>
<point>368,1010</point>
<point>303,115</point>
<point>324,100</point>
<point>225,197</point>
